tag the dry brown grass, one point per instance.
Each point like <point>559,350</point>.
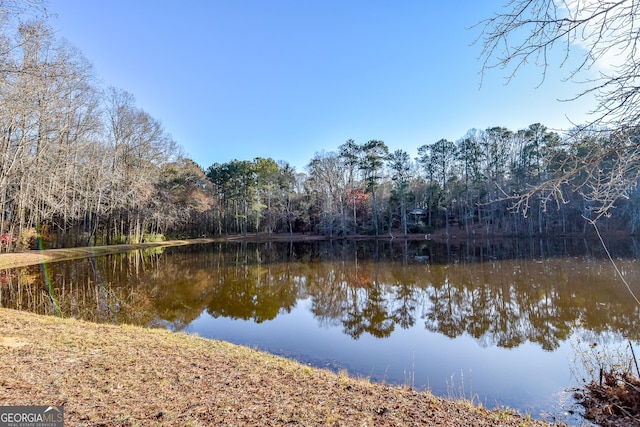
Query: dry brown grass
<point>107,375</point>
<point>614,403</point>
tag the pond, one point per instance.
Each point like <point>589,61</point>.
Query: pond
<point>513,323</point>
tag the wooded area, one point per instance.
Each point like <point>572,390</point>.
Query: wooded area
<point>471,186</point>
<point>83,165</point>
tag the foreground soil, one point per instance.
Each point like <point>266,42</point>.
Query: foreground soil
<point>108,375</point>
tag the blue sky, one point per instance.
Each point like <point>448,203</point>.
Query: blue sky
<point>288,78</point>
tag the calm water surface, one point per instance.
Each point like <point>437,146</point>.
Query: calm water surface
<point>505,324</point>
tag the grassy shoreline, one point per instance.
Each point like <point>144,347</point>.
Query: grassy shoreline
<point>107,375</point>
<point>32,257</point>
<point>111,375</point>
<point>24,259</point>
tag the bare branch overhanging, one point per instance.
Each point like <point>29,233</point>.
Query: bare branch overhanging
<point>603,36</point>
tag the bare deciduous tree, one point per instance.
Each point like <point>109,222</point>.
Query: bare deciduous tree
<point>599,41</point>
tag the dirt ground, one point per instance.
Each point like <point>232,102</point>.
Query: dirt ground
<point>107,375</point>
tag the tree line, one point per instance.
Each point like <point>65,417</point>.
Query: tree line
<point>470,186</point>
<point>84,165</point>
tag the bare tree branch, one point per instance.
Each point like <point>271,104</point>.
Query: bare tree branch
<point>603,36</point>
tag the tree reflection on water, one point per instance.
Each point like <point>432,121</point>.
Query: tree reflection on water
<point>502,294</point>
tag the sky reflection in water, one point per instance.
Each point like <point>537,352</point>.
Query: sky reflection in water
<point>525,377</point>
<point>496,323</point>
